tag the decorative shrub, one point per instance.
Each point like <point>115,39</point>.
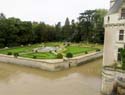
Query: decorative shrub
<point>9,53</point>
<point>36,51</point>
<point>59,56</point>
<point>86,52</point>
<point>50,51</point>
<point>69,55</point>
<point>34,56</point>
<point>97,50</point>
<point>16,55</point>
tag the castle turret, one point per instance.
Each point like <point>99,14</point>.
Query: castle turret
<point>114,23</point>
<point>112,2</point>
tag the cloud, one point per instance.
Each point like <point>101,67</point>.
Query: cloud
<point>49,11</point>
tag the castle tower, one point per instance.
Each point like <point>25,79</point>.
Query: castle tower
<point>112,3</point>
<point>114,23</point>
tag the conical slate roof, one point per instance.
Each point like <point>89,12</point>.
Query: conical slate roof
<point>116,6</point>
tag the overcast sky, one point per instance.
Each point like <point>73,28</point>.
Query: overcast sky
<point>49,11</point>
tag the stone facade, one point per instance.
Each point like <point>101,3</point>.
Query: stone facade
<point>114,23</point>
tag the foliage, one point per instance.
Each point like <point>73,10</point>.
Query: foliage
<point>59,56</point>
<point>16,54</point>
<point>9,53</point>
<point>97,50</point>
<point>69,55</point>
<point>34,56</point>
<point>123,58</point>
<point>88,28</point>
<point>86,52</point>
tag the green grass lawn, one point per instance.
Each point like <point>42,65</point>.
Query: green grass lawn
<point>19,49</point>
<point>75,48</point>
<point>39,55</point>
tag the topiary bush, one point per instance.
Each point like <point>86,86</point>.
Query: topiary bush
<point>9,53</point>
<point>69,55</point>
<point>86,52</point>
<point>59,56</point>
<point>97,50</point>
<point>34,56</point>
<point>16,54</point>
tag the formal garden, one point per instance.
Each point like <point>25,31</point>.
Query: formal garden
<point>51,50</point>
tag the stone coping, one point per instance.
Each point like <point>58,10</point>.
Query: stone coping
<point>110,68</point>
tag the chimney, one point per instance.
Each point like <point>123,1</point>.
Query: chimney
<point>112,2</point>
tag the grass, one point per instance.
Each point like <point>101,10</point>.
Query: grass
<point>39,55</point>
<point>19,49</point>
<point>75,48</point>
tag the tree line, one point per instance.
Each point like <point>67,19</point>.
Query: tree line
<point>88,28</point>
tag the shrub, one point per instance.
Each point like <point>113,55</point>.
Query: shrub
<point>68,44</point>
<point>50,51</point>
<point>59,56</point>
<point>69,55</point>
<point>123,58</point>
<point>86,52</point>
<point>36,51</point>
<point>16,55</point>
<point>34,56</point>
<point>9,53</point>
<point>97,50</point>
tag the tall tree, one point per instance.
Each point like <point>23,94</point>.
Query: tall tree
<point>66,30</point>
<point>86,21</point>
<point>2,16</point>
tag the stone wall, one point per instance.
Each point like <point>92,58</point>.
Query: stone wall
<point>113,81</point>
<point>49,65</point>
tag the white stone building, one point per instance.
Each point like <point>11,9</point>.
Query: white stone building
<point>114,23</point>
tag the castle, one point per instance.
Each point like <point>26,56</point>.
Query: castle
<point>114,23</point>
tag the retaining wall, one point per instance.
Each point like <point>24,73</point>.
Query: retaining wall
<point>50,65</point>
<point>110,79</point>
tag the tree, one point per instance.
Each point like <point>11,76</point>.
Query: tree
<point>66,30</point>
<point>98,25</point>
<point>91,25</point>
<point>2,16</point>
<point>58,30</point>
<point>86,21</point>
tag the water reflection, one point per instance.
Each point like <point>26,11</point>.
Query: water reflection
<point>82,80</point>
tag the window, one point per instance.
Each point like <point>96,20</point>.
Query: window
<point>123,13</point>
<point>121,35</point>
<point>108,19</point>
<point>119,54</point>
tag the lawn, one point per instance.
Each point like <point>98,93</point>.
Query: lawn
<point>19,49</point>
<point>39,55</point>
<point>78,50</point>
<point>74,48</point>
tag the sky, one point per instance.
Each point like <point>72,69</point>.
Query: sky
<point>49,11</point>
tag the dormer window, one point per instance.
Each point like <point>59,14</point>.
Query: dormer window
<point>123,13</point>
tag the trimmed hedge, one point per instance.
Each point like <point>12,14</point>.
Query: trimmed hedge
<point>69,55</point>
<point>59,56</point>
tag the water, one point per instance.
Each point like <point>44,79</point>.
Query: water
<point>82,80</point>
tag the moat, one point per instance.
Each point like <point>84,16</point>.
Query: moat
<point>82,80</point>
